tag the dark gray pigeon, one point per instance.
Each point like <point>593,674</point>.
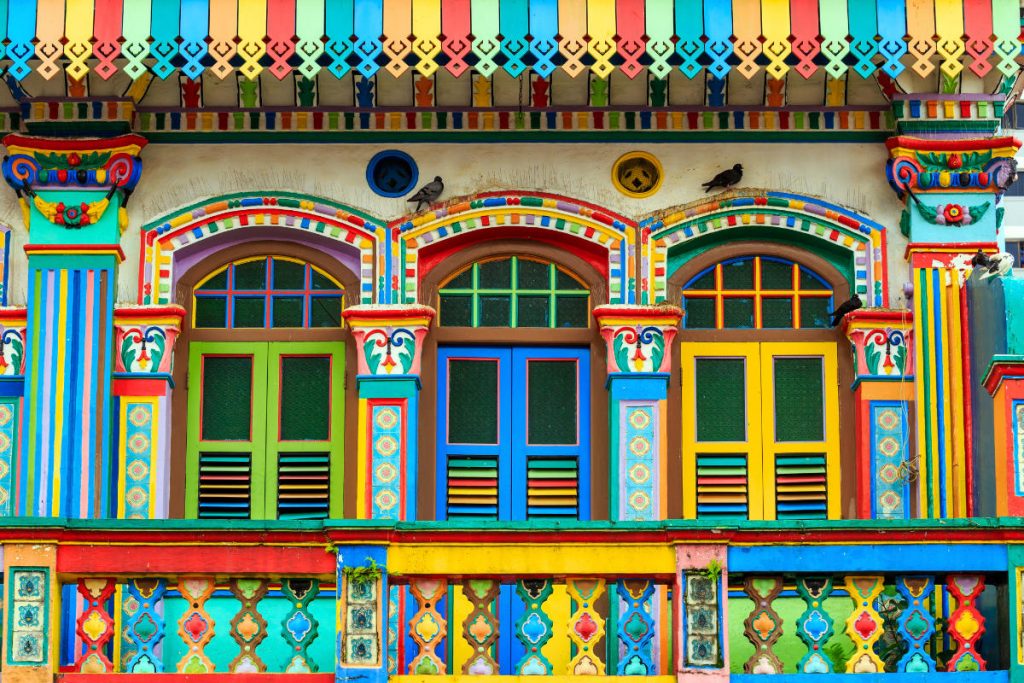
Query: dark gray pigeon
<point>725,179</point>
<point>848,306</point>
<point>428,194</point>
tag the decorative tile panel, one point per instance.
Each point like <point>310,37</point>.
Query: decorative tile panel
<point>28,618</point>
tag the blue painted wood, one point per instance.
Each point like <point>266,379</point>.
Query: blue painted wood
<point>849,559</point>
<point>501,450</point>
<point>522,451</point>
<point>512,450</point>
<point>814,626</point>
<point>916,623</point>
<point>636,628</point>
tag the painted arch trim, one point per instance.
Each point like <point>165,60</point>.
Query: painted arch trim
<point>862,237</point>
<point>161,238</point>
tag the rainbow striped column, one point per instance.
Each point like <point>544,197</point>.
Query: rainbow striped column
<point>951,189</point>
<point>389,341</point>
<point>72,194</point>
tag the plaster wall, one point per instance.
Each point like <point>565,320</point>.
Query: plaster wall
<point>174,176</point>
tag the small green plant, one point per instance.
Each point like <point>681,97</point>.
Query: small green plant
<point>714,570</point>
<point>839,654</point>
<point>359,576</point>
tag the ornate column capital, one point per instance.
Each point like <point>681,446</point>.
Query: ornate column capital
<point>389,338</point>
<point>144,338</point>
<point>639,338</point>
<point>59,166</point>
<point>923,165</point>
<point>12,341</point>
<point>882,342</point>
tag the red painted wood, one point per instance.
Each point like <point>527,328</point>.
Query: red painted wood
<point>230,560</point>
<point>978,34</point>
<point>804,24</point>
<point>629,26</point>
<point>455,25</point>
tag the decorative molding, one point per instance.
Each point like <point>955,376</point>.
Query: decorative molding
<point>161,238</point>
<point>420,38</point>
<point>864,238</point>
<point>882,342</point>
<point>638,338</point>
<point>389,337</point>
<point>144,338</point>
<point>919,165</point>
<point>613,233</point>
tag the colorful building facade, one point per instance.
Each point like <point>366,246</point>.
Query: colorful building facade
<point>588,409</point>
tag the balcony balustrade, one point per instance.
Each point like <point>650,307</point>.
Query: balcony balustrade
<point>411,602</point>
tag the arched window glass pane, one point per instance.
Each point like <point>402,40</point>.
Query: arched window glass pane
<point>267,292</point>
<point>757,292</point>
<point>514,292</point>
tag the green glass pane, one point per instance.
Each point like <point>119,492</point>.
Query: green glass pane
<point>776,275</point>
<point>738,274</point>
<point>287,311</point>
<point>809,281</point>
<point>495,311</point>
<point>251,275</point>
<point>565,281</point>
<point>462,281</point>
<point>705,281</point>
<point>211,311</point>
<point>700,313</point>
<point>721,389</point>
<point>551,401</point>
<point>738,313</point>
<point>289,275</point>
<point>473,401</point>
<point>249,312</point>
<point>777,313</point>
<point>305,398</point>
<point>325,311</point>
<point>533,275</point>
<point>799,399</point>
<point>814,311</point>
<point>496,274</point>
<point>534,311</point>
<point>218,281</point>
<point>322,282</point>
<point>456,310</point>
<point>227,398</point>
<point>572,311</point>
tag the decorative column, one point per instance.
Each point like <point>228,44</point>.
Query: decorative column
<point>31,604</point>
<point>12,404</point>
<point>951,189</point>
<point>362,608</point>
<point>639,341</point>
<point>702,582</point>
<point>1005,384</point>
<point>73,195</point>
<point>883,389</point>
<point>143,343</point>
<point>389,342</point>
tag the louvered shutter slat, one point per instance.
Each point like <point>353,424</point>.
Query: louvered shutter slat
<point>472,487</point>
<point>224,485</point>
<point>801,487</point>
<point>304,485</point>
<point>722,486</point>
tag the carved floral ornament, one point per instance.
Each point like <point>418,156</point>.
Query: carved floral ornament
<point>389,338</point>
<point>144,338</point>
<point>639,338</point>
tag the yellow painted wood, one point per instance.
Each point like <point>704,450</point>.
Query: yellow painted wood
<point>830,446</point>
<point>760,448</point>
<point>689,354</point>
<point>506,559</point>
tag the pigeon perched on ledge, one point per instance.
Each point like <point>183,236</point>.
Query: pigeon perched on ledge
<point>726,179</point>
<point>428,194</point>
<point>980,260</point>
<point>848,306</point>
<point>998,264</point>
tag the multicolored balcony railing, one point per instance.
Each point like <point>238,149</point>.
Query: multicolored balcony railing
<point>163,600</point>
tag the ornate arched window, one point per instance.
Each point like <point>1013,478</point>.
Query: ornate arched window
<point>514,291</point>
<point>267,292</point>
<point>266,385</point>
<point>760,393</point>
<point>757,292</point>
